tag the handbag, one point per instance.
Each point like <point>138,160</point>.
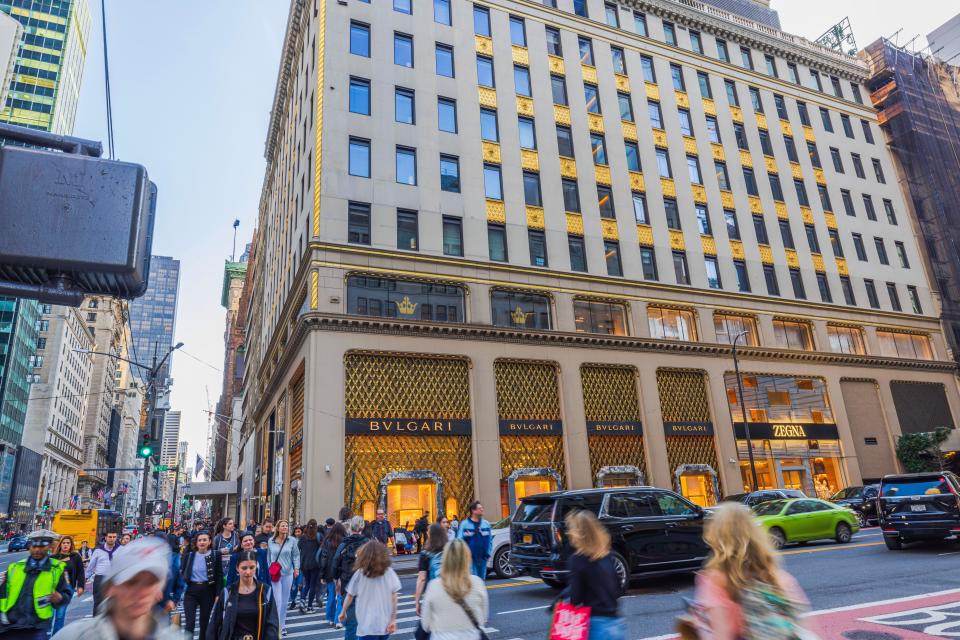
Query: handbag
<point>420,633</point>
<point>570,622</point>
<point>275,567</point>
<point>473,619</point>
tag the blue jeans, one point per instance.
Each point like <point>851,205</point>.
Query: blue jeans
<point>350,627</point>
<point>602,628</point>
<point>59,617</point>
<point>479,568</point>
<point>295,589</point>
<point>334,602</point>
<point>374,637</point>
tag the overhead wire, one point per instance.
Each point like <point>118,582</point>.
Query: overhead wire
<point>106,80</point>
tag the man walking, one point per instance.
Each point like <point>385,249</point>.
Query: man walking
<point>478,535</point>
<point>99,566</point>
<point>32,588</point>
<point>343,561</point>
<point>381,529</point>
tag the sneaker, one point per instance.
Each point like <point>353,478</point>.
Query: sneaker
<point>283,631</point>
<point>338,626</point>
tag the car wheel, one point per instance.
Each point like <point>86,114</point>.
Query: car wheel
<point>894,544</point>
<point>501,563</point>
<point>861,519</point>
<point>620,566</point>
<point>844,533</point>
<point>553,583</point>
<point>778,537</point>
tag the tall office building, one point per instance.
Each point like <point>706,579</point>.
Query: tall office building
<point>945,41</point>
<point>507,247</point>
<point>10,35</point>
<point>153,316</point>
<point>169,452</point>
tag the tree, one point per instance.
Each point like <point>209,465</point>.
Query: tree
<point>921,452</point>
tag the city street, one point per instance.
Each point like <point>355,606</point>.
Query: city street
<point>834,576</point>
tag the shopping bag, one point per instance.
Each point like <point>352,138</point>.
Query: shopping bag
<point>570,622</point>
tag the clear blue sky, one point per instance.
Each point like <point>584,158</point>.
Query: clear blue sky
<point>192,85</point>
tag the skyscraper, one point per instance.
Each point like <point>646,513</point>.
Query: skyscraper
<point>153,316</point>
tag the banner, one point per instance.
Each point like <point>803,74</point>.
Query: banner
<point>688,428</point>
<point>614,428</point>
<point>531,427</point>
<point>407,426</point>
<point>787,431</point>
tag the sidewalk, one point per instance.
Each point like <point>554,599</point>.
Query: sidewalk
<point>405,565</point>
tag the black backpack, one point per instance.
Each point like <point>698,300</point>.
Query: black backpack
<point>348,558</point>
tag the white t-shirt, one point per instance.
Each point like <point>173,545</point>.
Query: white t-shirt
<point>373,601</point>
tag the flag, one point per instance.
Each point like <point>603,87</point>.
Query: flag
<point>75,502</point>
<point>199,465</point>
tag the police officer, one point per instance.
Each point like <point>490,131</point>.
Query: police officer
<point>32,588</point>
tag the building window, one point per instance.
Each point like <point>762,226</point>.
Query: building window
<point>740,134</point>
<point>693,170</point>
<point>648,261</point>
<point>812,240</point>
<point>902,254</point>
<point>680,267</point>
<point>888,208</point>
<point>837,159</point>
<point>619,62</point>
<point>626,107</point>
<point>592,98</point>
<point>824,287</point>
<point>847,202</point>
<point>492,184</point>
<point>564,142</point>
<point>655,114</point>
<point>646,65</point>
<point>538,248</point>
<point>733,227</point>
<point>578,253</point>
<point>558,89</point>
<point>450,174</point>
<point>585,46</point>
<point>676,74</point>
<point>489,130</point>
<point>815,76</point>
<point>610,13</point>
<point>605,202</point>
<point>360,96</point>
<point>703,219</point>
<point>671,324</point>
<point>452,236</point>
<point>804,114</point>
<point>914,299</point>
<point>580,8</point>
<point>611,253</point>
<point>403,106</point>
<point>447,115</point>
<point>878,171</point>
<point>598,148</point>
<point>640,208</point>
<point>663,164</point>
<point>797,281</point>
<point>360,39</point>
<point>554,43</point>
<point>786,234</point>
<point>728,327</point>
<point>402,50</point>
<point>792,152</point>
<point>790,334</point>
<point>775,189</point>
<point>485,72</point>
<point>408,231</point>
<point>593,316</point>
<point>571,195</point>
<point>403,6</point>
<point>517,309</point>
<point>847,127</point>
<point>358,223</point>
<point>672,213</point>
<point>743,278</point>
<point>528,136</point>
<point>441,12</point>
<point>847,288</point>
<point>881,250</point>
<point>521,81</point>
<point>872,294</point>
<point>745,58</point>
<point>444,60</point>
<point>868,205</point>
<point>858,166</point>
<point>781,105</point>
<point>518,32</point>
<point>894,296</point>
<point>824,197</point>
<point>723,180</point>
<point>406,166</point>
<point>713,272</point>
<point>481,21</point>
<point>780,398</point>
<point>713,130</point>
<point>750,181</point>
<point>731,89</point>
<point>792,73</point>
<point>859,248</point>
<point>669,33</point>
<point>531,189</point>
<point>497,242</point>
<point>696,43</point>
<point>640,23</point>
<point>825,118</point>
<point>835,242</point>
<point>722,54</point>
<point>770,277</point>
<point>359,158</point>
<point>760,229</point>
<point>867,131</point>
<point>895,344</point>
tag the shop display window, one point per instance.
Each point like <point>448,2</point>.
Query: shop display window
<point>729,326</point>
<point>593,316</point>
<point>793,335</point>
<point>772,398</point>
<point>896,344</point>
<point>672,324</point>
<point>519,309</point>
<point>405,299</point>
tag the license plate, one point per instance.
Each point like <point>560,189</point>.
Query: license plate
<point>918,507</point>
<point>527,538</point>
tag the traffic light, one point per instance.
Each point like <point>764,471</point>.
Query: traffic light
<point>146,447</point>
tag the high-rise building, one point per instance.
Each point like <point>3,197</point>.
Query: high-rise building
<point>128,402</point>
<point>153,316</point>
<point>169,451</point>
<point>512,251</point>
<point>944,41</point>
<point>10,34</point>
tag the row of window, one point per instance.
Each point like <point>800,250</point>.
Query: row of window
<point>428,301</point>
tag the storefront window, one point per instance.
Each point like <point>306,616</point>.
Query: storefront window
<point>897,344</point>
<point>846,339</point>
<point>409,500</point>
<point>368,510</point>
<point>782,399</point>
<point>698,488</point>
<point>451,507</point>
<point>600,317</point>
<point>729,326</point>
<point>793,335</point>
<point>671,324</point>
<point>518,309</point>
<point>811,466</point>
<point>404,299</point>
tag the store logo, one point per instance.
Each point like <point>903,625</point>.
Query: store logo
<point>614,428</point>
<point>531,427</point>
<point>519,316</point>
<point>789,431</point>
<point>406,307</point>
<point>688,428</point>
<point>407,426</point>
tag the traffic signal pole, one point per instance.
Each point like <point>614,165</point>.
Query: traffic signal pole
<point>151,409</point>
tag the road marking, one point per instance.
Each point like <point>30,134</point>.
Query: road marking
<point>540,608</point>
<point>949,553</point>
<point>833,548</point>
<point>512,584</point>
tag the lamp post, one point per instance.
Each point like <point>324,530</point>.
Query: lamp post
<point>743,411</point>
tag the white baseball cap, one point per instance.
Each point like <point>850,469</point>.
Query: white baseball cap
<point>146,554</point>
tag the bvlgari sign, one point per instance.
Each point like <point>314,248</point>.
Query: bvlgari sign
<point>531,427</point>
<point>787,431</point>
<point>407,427</point>
<point>688,428</point>
<point>614,428</point>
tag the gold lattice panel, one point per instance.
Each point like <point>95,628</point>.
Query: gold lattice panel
<point>372,457</point>
<point>406,386</point>
<point>532,452</point>
<point>683,396</point>
<point>691,450</point>
<point>615,451</point>
<point>609,393</point>
<point>296,427</point>
<point>526,390</point>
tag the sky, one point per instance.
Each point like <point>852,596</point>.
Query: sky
<point>192,84</point>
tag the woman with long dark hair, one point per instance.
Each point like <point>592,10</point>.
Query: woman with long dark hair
<point>202,571</point>
<point>248,543</point>
<point>226,540</point>
<point>65,552</point>
<point>328,550</point>
<point>428,567</point>
<point>309,566</point>
<point>246,609</point>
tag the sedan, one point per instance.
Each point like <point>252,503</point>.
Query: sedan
<point>17,543</point>
<point>805,519</point>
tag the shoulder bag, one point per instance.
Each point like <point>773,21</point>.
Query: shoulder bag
<point>275,567</point>
<point>473,618</point>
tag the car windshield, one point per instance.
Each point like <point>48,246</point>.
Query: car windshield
<point>849,492</point>
<point>771,508</point>
<point>538,511</point>
<point>901,487</point>
<point>737,497</point>
<point>501,524</point>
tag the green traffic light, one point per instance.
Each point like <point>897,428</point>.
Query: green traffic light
<point>146,451</point>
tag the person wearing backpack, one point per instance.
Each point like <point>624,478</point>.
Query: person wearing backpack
<point>331,542</point>
<point>283,563</point>
<point>478,535</point>
<point>431,558</point>
<point>742,593</point>
<point>309,566</point>
<point>343,568</point>
<point>455,605</point>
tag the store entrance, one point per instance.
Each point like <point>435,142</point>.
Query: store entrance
<point>620,480</point>
<point>794,474</point>
<point>410,499</point>
<point>697,487</point>
<point>523,486</point>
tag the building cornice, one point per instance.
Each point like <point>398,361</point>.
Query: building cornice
<point>281,94</point>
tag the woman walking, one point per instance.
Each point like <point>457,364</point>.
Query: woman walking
<point>202,571</point>
<point>592,580</point>
<point>248,543</point>
<point>73,565</point>
<point>328,551</point>
<point>226,540</point>
<point>309,566</point>
<point>374,586</point>
<point>428,566</point>
<point>296,590</point>
<point>455,606</point>
<point>246,609</point>
<point>283,562</point>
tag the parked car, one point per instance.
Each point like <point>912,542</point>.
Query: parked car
<point>806,519</point>
<point>17,543</point>
<point>499,562</point>
<point>919,506</point>
<point>862,499</point>
<point>653,532</point>
<point>754,498</point>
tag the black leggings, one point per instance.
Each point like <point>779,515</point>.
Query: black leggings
<point>198,596</point>
<point>310,589</point>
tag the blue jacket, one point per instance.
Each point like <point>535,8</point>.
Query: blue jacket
<point>263,573</point>
<point>478,536</point>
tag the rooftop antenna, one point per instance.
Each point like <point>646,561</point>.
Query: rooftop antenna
<point>233,254</point>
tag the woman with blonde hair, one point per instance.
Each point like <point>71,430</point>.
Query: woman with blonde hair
<point>592,580</point>
<point>455,605</point>
<point>742,591</point>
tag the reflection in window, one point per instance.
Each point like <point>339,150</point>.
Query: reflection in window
<point>518,309</point>
<point>846,339</point>
<point>405,299</point>
<point>896,344</point>
<point>793,335</point>
<point>671,324</point>
<point>729,326</point>
<point>773,398</point>
<point>592,316</point>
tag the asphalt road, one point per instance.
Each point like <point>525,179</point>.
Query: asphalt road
<point>832,575</point>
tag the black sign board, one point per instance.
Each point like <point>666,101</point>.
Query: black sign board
<point>787,431</point>
<point>531,427</point>
<point>614,428</point>
<point>688,428</point>
<point>407,427</point>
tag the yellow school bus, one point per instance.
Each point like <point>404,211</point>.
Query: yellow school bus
<point>87,524</point>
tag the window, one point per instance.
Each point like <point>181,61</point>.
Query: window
<point>680,267</point>
<point>558,89</point>
<point>611,15</point>
<point>485,72</point>
<point>902,254</point>
<point>447,115</point>
<point>868,205</point>
<point>731,90</point>
<point>407,230</point>
<point>775,187</point>
<point>824,287</point>
<point>815,76</point>
<point>605,202</point>
<point>492,185</point>
<point>497,242</point>
<point>812,241</point>
<point>770,277</point>
<point>554,43</point>
<point>837,160</point>
<point>358,223</point>
<point>835,243</point>
<point>626,107</point>
<point>360,39</point>
<point>648,261</point>
<point>814,155</point>
<point>685,127</point>
<point>672,213</point>
<point>580,8</point>
<point>481,21</point>
<point>444,60</point>
<point>847,202</point>
<point>669,33</point>
<point>825,118</point>
<point>745,59</point>
<point>793,335</point>
<point>521,81</point>
<point>402,50</point>
<point>801,190</point>
<point>891,214</point>
<point>914,299</point>
<point>633,156</point>
<point>452,236</point>
<point>532,310</point>
<point>640,23</point>
<point>858,165</point>
<point>792,73</point>
<point>730,220</point>
<point>797,281</point>
<point>406,166</point>
<point>450,173</point>
<point>593,316</point>
<point>771,65</point>
<point>741,136</point>
<point>824,197</point>
<point>518,33</point>
<point>743,279</point>
<point>765,145</point>
<point>703,80</point>
<point>656,117</point>
<point>640,208</point>
<point>878,171</point>
<point>867,131</point>
<point>872,294</point>
<point>403,106</point>
<point>528,135</point>
<point>804,114</point>
<point>663,163</point>
<point>696,43</point>
<point>881,250</point>
<point>531,189</point>
<point>599,149</point>
<point>859,248</point>
<point>703,219</point>
<point>360,96</point>
<point>858,98</point>
<point>571,195</point>
<point>441,12</point>
<point>403,6</point>
<point>611,253</point>
<point>585,46</point>
<point>729,327</point>
<point>723,180</point>
<point>676,74</point>
<point>592,98</point>
<point>835,83</point>
<point>578,253</point>
<point>755,100</point>
<point>847,127</point>
<point>359,158</point>
<point>722,54</point>
<point>646,64</point>
<point>847,288</point>
<point>760,229</point>
<point>713,130</point>
<point>750,181</point>
<point>671,324</point>
<point>488,125</point>
<point>896,344</point>
<point>693,169</point>
<point>786,234</point>
<point>538,248</point>
<point>619,62</point>
<point>713,271</point>
<point>894,297</point>
<point>845,339</point>
<point>564,142</point>
<point>792,149</point>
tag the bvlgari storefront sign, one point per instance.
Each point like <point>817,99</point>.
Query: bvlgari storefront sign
<point>531,427</point>
<point>688,428</point>
<point>387,426</point>
<point>787,431</point>
<point>614,428</point>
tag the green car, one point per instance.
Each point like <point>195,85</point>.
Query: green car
<point>805,519</point>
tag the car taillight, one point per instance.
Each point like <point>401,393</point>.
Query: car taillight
<point>557,537</point>
<point>885,530</point>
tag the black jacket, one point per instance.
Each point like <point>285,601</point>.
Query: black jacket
<point>214,568</point>
<point>308,553</point>
<point>345,557</point>
<point>74,570</point>
<point>224,616</point>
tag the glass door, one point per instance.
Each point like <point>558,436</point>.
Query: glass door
<point>794,474</point>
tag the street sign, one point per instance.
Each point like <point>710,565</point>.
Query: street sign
<point>162,467</point>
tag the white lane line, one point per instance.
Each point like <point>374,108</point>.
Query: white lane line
<point>540,608</point>
<point>949,553</point>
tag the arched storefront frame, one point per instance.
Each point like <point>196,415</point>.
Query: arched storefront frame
<point>394,476</point>
<point>696,468</point>
<point>529,472</point>
<point>620,470</point>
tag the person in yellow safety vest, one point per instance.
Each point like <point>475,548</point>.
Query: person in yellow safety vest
<point>30,591</point>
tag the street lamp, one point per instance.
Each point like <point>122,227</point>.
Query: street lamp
<point>743,411</point>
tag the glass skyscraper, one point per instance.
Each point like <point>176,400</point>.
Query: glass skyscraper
<point>153,316</point>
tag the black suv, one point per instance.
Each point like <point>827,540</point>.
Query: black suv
<point>919,506</point>
<point>863,500</point>
<point>754,498</point>
<point>653,531</point>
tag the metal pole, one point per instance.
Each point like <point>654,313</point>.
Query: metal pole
<point>151,406</point>
<point>743,410</point>
<point>173,504</point>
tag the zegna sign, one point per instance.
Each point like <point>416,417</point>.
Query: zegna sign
<point>787,431</point>
<point>383,425</point>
